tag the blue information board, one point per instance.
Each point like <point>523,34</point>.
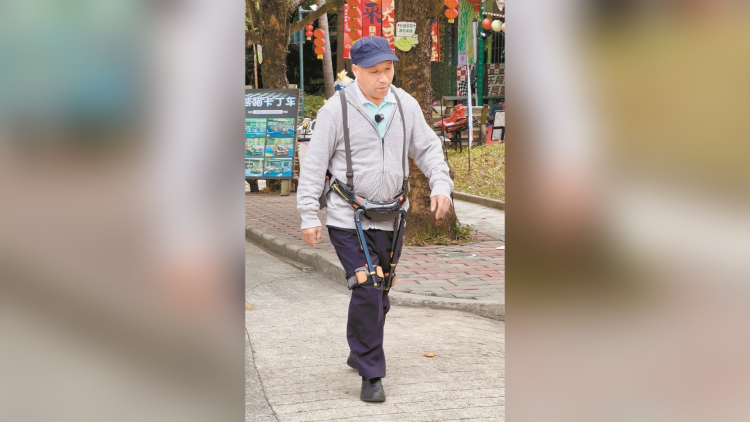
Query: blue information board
<point>270,133</point>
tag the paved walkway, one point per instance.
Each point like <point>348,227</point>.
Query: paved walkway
<point>296,353</point>
<point>471,272</point>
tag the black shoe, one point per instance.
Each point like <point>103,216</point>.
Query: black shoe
<point>351,362</point>
<point>372,391</point>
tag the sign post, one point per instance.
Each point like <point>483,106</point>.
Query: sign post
<point>270,138</point>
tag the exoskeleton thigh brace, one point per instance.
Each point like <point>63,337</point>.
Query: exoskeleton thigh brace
<point>362,274</point>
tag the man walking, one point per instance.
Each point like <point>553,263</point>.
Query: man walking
<point>383,124</point>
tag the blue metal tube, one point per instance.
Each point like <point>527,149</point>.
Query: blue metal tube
<point>363,242</point>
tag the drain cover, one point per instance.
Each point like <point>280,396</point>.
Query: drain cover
<point>460,255</point>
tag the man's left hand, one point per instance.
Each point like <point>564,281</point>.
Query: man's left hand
<point>440,205</point>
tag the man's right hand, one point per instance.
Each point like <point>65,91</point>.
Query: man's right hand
<point>312,235</point>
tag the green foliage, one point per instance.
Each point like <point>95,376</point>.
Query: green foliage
<point>464,231</point>
<point>313,103</point>
<point>443,79</point>
<point>487,176</point>
<point>432,236</point>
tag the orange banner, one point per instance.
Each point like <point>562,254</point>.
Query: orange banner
<point>389,22</point>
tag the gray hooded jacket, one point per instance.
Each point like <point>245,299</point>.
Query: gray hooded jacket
<point>377,163</point>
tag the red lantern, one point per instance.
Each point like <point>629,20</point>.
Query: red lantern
<point>355,35</point>
<point>451,4</point>
<point>309,32</point>
<point>353,3</point>
<point>355,13</point>
<point>354,25</point>
<point>309,28</point>
<point>477,4</point>
<point>319,42</point>
<point>487,24</point>
<point>451,14</point>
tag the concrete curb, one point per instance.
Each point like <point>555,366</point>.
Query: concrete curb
<point>327,264</point>
<point>480,200</point>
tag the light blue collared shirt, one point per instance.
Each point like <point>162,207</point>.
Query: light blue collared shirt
<point>386,107</point>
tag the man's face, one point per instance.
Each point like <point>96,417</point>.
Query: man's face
<point>374,81</point>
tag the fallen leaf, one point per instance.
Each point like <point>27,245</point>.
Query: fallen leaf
<point>429,355</point>
<point>397,356</point>
<point>248,307</point>
<point>346,392</point>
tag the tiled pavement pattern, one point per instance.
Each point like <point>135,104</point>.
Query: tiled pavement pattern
<point>474,271</point>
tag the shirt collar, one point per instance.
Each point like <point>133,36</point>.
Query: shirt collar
<point>390,97</point>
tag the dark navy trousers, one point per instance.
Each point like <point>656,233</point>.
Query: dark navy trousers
<point>369,304</point>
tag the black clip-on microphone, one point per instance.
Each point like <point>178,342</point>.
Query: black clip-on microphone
<point>379,118</point>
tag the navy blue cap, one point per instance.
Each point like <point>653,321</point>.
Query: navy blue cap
<point>369,51</point>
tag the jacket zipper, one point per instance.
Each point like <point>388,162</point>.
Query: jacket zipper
<point>382,139</point>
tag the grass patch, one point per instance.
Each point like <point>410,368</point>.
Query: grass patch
<point>431,236</point>
<point>487,177</point>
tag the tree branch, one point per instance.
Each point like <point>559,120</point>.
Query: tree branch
<point>251,13</point>
<point>438,8</point>
<point>294,4</point>
<point>252,38</point>
<point>299,25</point>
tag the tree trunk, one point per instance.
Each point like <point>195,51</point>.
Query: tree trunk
<point>274,29</point>
<point>327,60</point>
<point>415,76</point>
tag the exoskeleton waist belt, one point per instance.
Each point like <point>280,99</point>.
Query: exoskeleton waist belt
<point>374,210</point>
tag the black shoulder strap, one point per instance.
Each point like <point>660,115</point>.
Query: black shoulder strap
<point>347,145</point>
<point>403,124</point>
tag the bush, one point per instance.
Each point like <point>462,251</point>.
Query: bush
<point>313,103</point>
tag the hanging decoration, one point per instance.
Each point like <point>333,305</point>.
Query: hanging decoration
<point>319,43</point>
<point>451,13</point>
<point>497,25</point>
<point>347,40</point>
<point>486,24</point>
<point>309,32</point>
<point>355,23</point>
